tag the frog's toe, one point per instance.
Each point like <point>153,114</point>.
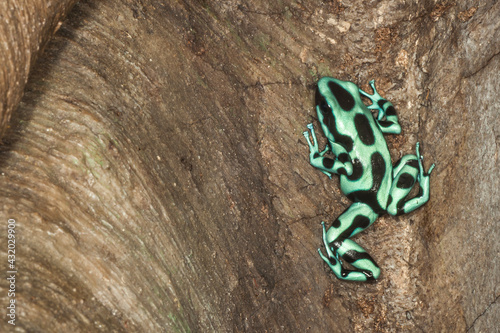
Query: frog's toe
<point>328,174</point>
<point>322,255</point>
<point>431,168</point>
<point>327,148</point>
<point>312,145</point>
<point>329,260</point>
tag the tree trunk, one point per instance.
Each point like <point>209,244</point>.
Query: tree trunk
<point>25,27</point>
<point>159,180</point>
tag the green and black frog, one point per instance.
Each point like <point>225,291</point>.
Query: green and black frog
<point>359,155</point>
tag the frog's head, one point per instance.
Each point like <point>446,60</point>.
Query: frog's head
<point>335,96</point>
<point>335,101</point>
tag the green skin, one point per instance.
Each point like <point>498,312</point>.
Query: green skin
<point>361,158</point>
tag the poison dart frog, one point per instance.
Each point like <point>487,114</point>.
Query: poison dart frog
<point>367,177</point>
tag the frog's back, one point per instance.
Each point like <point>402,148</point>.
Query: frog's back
<point>352,125</point>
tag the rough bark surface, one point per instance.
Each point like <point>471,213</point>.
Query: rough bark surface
<point>25,27</point>
<point>159,179</point>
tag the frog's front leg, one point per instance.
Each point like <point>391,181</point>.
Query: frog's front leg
<point>337,243</point>
<point>407,171</point>
<point>387,119</point>
<point>340,165</point>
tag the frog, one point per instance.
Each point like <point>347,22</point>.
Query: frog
<point>357,151</point>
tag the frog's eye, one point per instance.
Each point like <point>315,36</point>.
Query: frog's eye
<point>321,102</point>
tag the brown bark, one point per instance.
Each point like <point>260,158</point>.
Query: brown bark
<point>25,27</point>
<point>159,179</point>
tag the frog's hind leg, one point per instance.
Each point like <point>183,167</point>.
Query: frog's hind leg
<point>407,172</point>
<point>354,220</point>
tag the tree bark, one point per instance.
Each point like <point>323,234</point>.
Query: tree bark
<point>159,180</point>
<point>26,25</point>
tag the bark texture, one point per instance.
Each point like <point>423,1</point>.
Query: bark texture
<point>159,179</point>
<point>25,27</point>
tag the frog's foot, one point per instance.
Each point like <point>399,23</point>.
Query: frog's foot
<point>326,150</point>
<point>317,158</point>
<point>387,118</point>
<point>422,175</point>
<point>313,145</point>
<point>375,94</point>
<point>375,98</point>
<point>331,258</point>
<point>329,251</point>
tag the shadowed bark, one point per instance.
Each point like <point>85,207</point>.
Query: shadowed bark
<point>26,25</point>
<point>159,179</point>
